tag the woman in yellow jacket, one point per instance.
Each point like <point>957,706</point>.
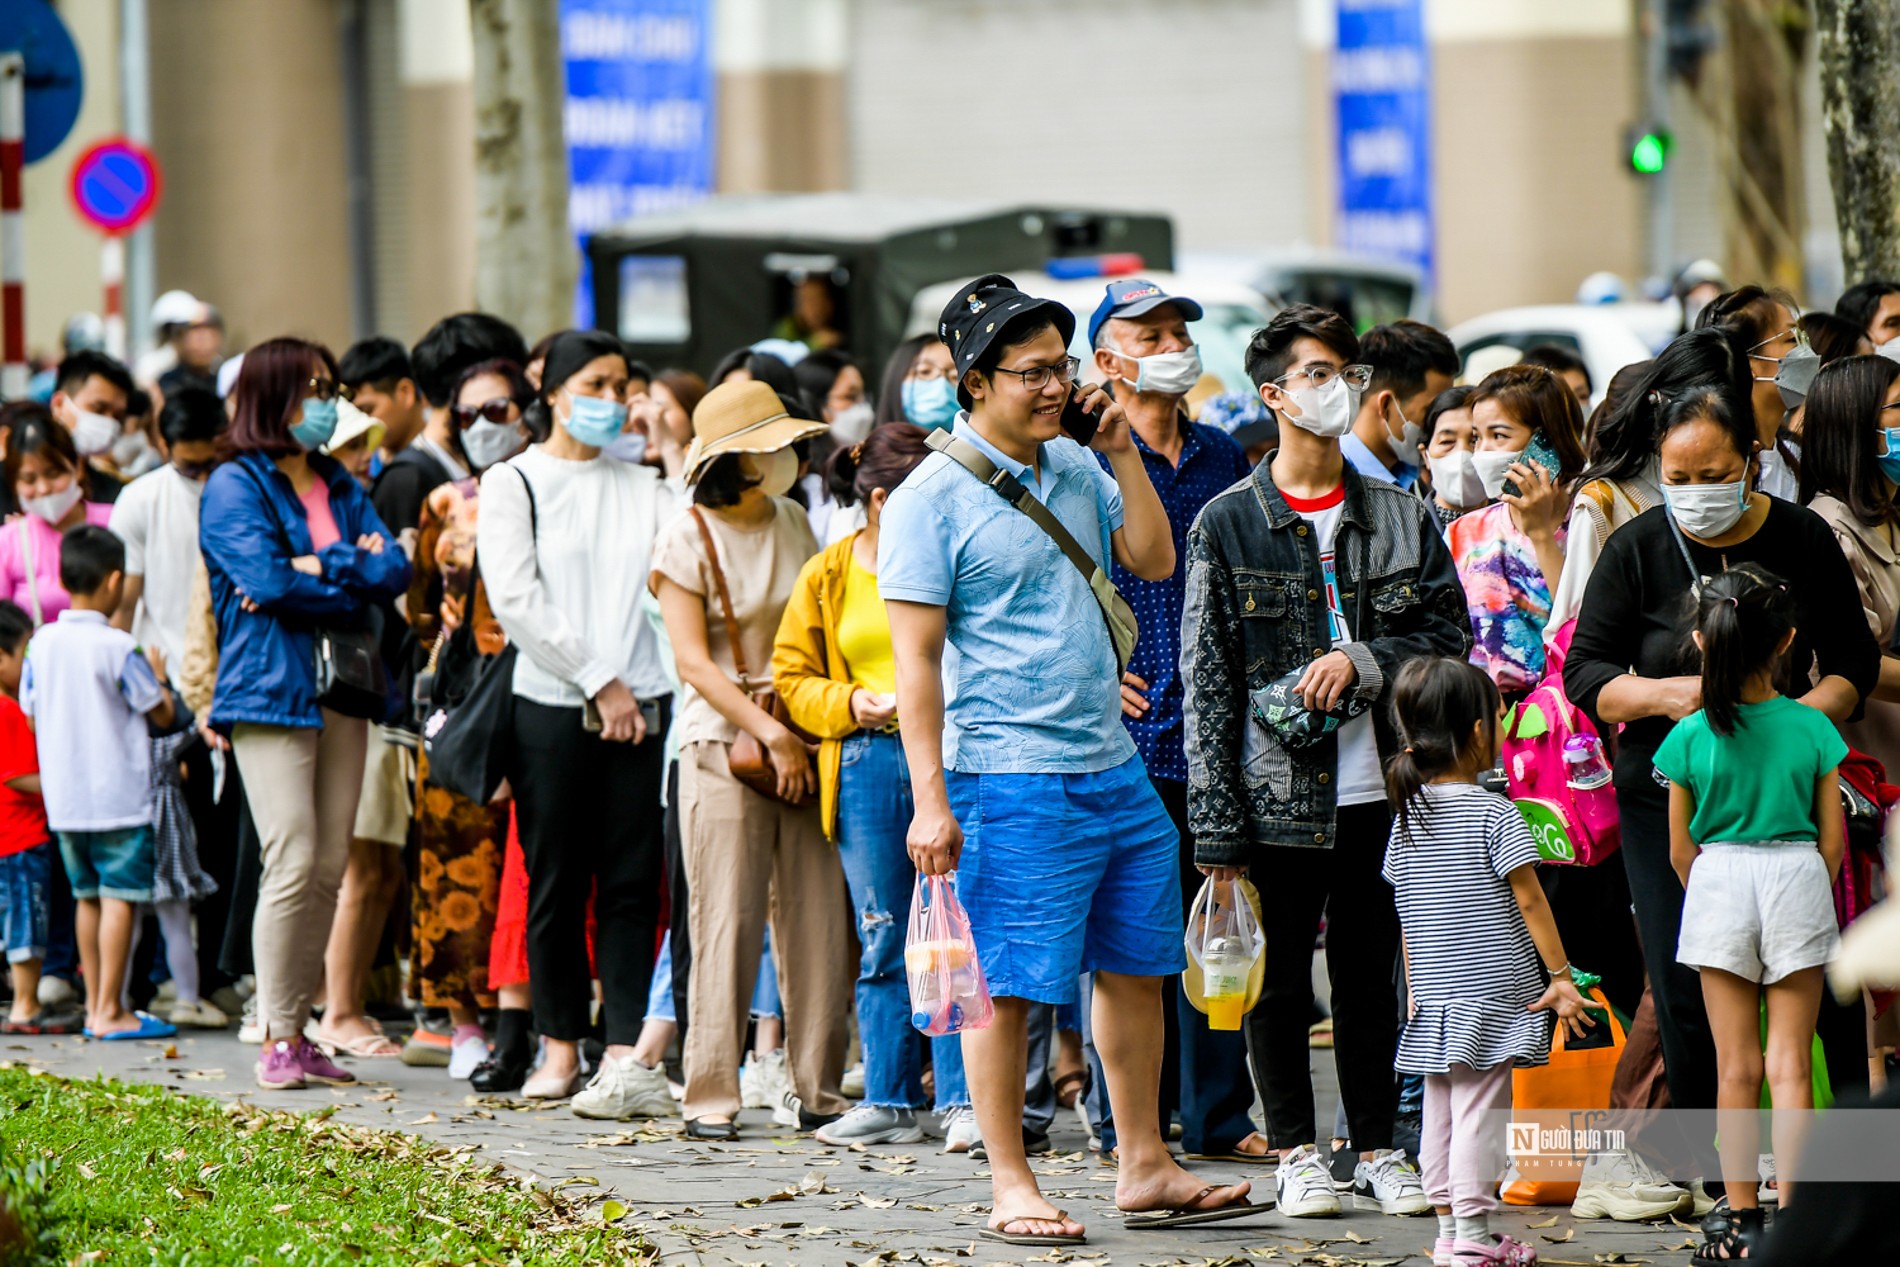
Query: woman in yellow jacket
<point>832,666</point>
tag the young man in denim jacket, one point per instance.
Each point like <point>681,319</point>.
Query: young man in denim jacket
<point>1311,570</point>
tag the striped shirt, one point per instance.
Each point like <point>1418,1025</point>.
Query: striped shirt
<point>1472,965</point>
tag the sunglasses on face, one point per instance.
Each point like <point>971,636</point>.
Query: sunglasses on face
<point>330,389</point>
<point>495,410</point>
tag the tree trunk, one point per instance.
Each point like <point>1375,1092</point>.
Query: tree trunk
<point>1762,160</point>
<point>525,260</point>
<point>1860,105</point>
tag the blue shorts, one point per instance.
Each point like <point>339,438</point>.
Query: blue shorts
<point>116,864</point>
<point>24,878</point>
<point>1068,873</point>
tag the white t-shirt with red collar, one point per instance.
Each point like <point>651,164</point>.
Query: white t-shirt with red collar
<point>1361,780</point>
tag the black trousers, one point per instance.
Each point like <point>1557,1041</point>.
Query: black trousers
<point>677,899</point>
<point>216,825</point>
<point>1362,949</point>
<point>1682,1023</point>
<point>590,822</point>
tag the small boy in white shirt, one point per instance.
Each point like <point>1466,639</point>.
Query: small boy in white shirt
<point>89,693</point>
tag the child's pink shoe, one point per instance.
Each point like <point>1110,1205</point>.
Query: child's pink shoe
<point>1499,1251</point>
<point>318,1067</point>
<point>1441,1253</point>
<point>278,1068</point>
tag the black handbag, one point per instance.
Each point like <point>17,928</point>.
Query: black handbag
<point>468,719</point>
<point>346,664</point>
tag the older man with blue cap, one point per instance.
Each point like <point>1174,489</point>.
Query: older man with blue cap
<point>1143,347</point>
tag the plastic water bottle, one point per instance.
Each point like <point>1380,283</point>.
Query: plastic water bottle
<point>1586,766</point>
<point>1225,965</point>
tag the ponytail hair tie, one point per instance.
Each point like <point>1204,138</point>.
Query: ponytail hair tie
<point>1408,750</point>
<point>1734,602</point>
<point>857,452</point>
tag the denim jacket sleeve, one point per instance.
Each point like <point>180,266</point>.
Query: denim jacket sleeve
<point>244,538</point>
<point>1214,680</point>
<point>1439,624</point>
<point>375,577</point>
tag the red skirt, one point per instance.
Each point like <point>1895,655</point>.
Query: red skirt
<point>508,953</point>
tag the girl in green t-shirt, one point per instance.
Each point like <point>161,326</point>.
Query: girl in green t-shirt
<point>1756,835</point>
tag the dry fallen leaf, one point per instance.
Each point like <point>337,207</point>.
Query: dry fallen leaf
<point>281,1208</point>
<point>1549,1222</point>
<point>87,1172</point>
<point>1570,1234</point>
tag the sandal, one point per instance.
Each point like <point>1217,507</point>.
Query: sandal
<point>1005,1236</point>
<point>1071,1087</point>
<point>1729,1235</point>
<point>1234,1152</point>
<point>372,1046</point>
<point>1189,1213</point>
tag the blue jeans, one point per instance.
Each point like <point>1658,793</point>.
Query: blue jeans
<point>874,812</point>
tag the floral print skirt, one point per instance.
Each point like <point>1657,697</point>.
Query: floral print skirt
<point>459,847</point>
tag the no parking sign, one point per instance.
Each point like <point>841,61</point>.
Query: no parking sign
<point>115,185</point>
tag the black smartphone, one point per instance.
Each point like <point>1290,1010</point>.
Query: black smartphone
<point>1078,423</point>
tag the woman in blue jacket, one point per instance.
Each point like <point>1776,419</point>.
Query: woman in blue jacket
<point>292,547</point>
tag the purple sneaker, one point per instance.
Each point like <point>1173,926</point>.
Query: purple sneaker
<point>278,1069</point>
<point>318,1067</point>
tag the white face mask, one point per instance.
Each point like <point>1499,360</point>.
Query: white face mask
<point>1409,445</point>
<point>853,423</point>
<point>1706,510</point>
<point>1165,373</point>
<point>54,506</point>
<point>1492,466</point>
<point>1325,411</point>
<point>629,447</point>
<point>776,471</point>
<point>1456,480</point>
<point>487,443</point>
<point>133,454</point>
<point>93,433</point>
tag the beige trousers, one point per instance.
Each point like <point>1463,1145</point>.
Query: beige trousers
<point>302,786</point>
<point>748,856</point>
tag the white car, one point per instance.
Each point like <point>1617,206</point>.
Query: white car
<point>1230,313</point>
<point>1606,336</point>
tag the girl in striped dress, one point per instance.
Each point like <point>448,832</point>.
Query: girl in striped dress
<point>1483,961</point>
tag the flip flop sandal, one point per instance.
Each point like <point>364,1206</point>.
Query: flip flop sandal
<point>1268,1158</point>
<point>1188,1215</point>
<point>46,1024</point>
<point>363,1047</point>
<point>149,1027</point>
<point>1033,1238</point>
<point>1070,1086</point>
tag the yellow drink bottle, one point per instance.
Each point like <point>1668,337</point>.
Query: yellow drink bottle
<point>1225,965</point>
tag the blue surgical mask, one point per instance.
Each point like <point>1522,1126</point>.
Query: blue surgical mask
<point>594,421</point>
<point>931,403</point>
<point>318,425</point>
<point>1890,460</point>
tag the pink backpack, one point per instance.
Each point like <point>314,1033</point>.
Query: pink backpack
<point>1571,824</point>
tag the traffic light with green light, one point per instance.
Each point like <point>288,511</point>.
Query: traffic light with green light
<point>1648,149</point>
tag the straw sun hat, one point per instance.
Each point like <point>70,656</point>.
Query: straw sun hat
<point>746,417</point>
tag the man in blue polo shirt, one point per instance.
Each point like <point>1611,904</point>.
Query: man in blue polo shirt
<point>1145,351</point>
<point>1411,364</point>
<point>1026,782</point>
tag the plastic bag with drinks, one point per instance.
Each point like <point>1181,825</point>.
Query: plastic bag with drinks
<point>1226,952</point>
<point>947,991</point>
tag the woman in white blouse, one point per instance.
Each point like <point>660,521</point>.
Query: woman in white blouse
<point>565,542</point>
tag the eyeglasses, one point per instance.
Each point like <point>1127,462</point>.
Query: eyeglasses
<point>330,389</point>
<point>1799,336</point>
<point>1319,374</point>
<point>924,372</point>
<point>1037,377</point>
<point>495,410</point>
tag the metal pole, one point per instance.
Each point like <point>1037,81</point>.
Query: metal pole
<point>353,37</point>
<point>112,275</point>
<point>13,372</point>
<point>135,117</point>
<point>1662,252</point>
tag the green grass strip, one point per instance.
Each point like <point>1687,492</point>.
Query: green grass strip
<point>115,1173</point>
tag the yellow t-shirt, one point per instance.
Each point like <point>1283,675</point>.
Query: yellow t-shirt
<point>864,632</point>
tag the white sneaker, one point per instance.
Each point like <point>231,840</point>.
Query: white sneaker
<point>1768,1194</point>
<point>251,1026</point>
<point>57,993</point>
<point>1624,1187</point>
<point>851,1086</point>
<point>1389,1183</point>
<point>197,1014</point>
<point>624,1089</point>
<point>1303,1187</point>
<point>960,1133</point>
<point>872,1124</point>
<point>464,1054</point>
<point>764,1080</point>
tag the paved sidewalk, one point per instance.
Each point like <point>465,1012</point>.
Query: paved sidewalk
<point>777,1198</point>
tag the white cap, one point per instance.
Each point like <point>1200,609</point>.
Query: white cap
<point>228,374</point>
<point>176,308</point>
<point>1603,288</point>
<point>352,422</point>
<point>1487,360</point>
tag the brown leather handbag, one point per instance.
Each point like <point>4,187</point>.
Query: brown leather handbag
<point>748,759</point>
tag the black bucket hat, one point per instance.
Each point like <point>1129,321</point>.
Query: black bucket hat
<point>986,308</point>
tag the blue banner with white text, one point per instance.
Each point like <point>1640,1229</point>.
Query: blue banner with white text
<point>1383,99</point>
<point>639,112</point>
